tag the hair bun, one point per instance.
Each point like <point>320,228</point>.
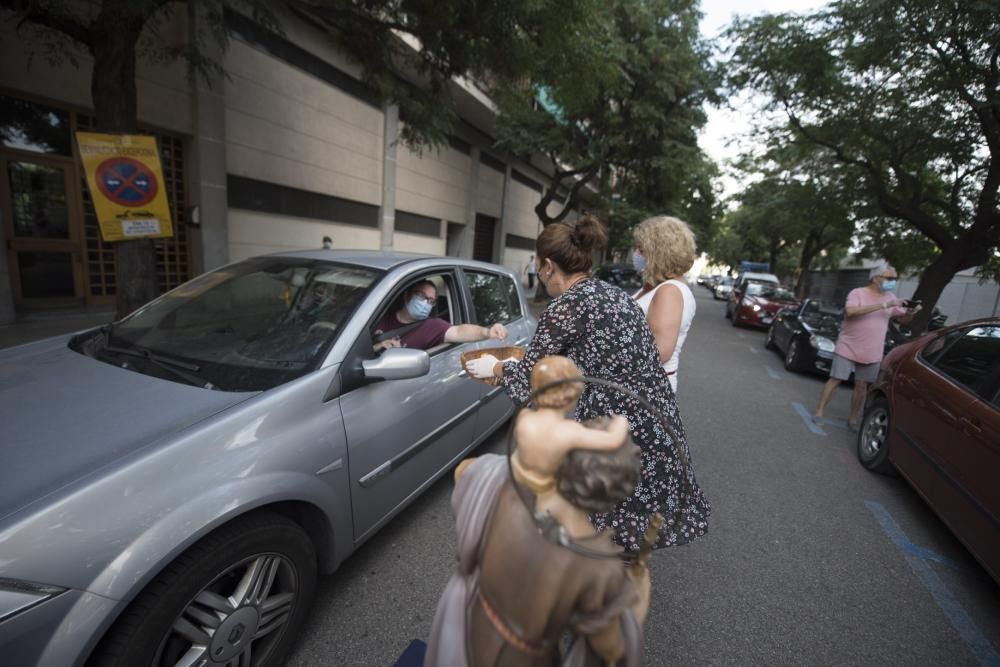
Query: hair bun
<point>589,234</point>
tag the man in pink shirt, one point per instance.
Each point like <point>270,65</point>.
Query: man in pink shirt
<point>862,338</point>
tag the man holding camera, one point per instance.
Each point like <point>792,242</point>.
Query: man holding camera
<point>862,338</point>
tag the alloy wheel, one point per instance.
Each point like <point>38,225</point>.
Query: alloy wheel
<point>874,433</point>
<point>239,616</point>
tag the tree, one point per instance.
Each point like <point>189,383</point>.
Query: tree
<point>111,32</point>
<point>903,98</point>
<point>619,107</point>
<point>409,53</point>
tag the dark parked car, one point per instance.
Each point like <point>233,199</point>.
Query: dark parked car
<point>620,275</point>
<point>934,416</point>
<point>806,335</point>
<point>759,303</point>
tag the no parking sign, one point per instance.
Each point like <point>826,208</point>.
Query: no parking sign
<point>126,184</point>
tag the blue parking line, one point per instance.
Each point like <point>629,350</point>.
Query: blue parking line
<point>917,557</point>
<point>775,375</point>
<point>839,423</point>
<point>807,418</point>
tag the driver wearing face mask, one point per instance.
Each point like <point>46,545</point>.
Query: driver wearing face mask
<point>417,305</point>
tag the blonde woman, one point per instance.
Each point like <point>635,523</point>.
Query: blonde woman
<point>664,251</point>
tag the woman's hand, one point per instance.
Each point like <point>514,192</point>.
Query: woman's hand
<point>482,368</point>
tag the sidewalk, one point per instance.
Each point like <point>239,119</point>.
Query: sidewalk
<point>37,326</point>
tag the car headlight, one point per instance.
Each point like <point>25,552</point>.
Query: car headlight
<point>18,596</point>
<point>822,343</point>
<point>756,308</point>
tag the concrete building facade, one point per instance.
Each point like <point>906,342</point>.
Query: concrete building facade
<point>290,146</point>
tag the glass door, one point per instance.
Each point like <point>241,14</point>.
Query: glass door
<point>42,229</point>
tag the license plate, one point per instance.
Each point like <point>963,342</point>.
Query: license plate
<point>766,320</point>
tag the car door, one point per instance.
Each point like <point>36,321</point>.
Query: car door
<point>925,410</point>
<point>402,433</point>
<point>494,298</point>
<point>968,497</point>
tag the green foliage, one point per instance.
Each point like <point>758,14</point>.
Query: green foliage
<point>902,99</point>
<point>629,90</point>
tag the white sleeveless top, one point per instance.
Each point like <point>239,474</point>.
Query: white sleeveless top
<point>671,364</point>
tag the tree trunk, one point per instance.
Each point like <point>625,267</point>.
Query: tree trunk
<point>113,90</point>
<point>933,281</point>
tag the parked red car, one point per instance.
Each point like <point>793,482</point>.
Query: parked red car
<point>934,416</point>
<point>759,304</point>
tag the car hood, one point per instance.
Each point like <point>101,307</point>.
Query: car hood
<point>823,328</point>
<point>65,415</point>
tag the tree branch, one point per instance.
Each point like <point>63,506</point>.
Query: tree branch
<point>32,12</point>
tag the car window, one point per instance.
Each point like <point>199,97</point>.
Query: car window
<point>494,298</point>
<point>248,326</point>
<point>973,360</point>
<point>387,323</point>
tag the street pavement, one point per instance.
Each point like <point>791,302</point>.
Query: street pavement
<point>809,560</point>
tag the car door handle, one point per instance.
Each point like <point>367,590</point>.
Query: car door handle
<point>969,426</point>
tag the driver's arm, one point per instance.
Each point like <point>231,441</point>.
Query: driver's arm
<point>471,333</point>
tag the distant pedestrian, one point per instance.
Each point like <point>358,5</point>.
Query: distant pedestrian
<point>327,243</point>
<point>530,271</point>
<point>664,251</point>
<point>862,338</point>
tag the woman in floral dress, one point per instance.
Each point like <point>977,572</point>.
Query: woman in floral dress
<point>605,333</point>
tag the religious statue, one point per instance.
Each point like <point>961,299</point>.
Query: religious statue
<point>536,584</point>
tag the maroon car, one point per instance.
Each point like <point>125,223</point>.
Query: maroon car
<point>759,304</point>
<point>934,415</point>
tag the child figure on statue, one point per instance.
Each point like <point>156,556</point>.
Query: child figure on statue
<point>526,576</point>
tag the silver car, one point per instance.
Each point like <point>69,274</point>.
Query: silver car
<point>172,484</point>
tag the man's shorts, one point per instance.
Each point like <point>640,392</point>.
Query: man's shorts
<point>842,367</point>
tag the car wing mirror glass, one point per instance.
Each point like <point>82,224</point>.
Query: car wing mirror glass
<point>397,363</point>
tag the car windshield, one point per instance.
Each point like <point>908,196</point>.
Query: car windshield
<point>816,312</point>
<point>251,325</point>
<point>769,291</point>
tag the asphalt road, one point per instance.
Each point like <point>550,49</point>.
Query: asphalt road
<point>810,559</point>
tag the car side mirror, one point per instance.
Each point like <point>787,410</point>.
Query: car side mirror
<point>397,363</point>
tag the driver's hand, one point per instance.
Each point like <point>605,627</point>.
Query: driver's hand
<point>498,331</point>
<point>386,344</point>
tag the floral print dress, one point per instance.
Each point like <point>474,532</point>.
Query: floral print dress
<point>605,333</point>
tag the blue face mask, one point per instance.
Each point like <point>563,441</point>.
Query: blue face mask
<point>888,285</point>
<point>639,262</point>
<point>418,308</point>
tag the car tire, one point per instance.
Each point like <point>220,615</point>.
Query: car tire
<point>792,358</point>
<point>264,560</point>
<point>729,315</point>
<point>769,341</point>
<point>873,438</point>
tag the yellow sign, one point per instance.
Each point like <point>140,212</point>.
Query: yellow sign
<point>126,184</point>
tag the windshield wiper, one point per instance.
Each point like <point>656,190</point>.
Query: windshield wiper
<point>181,369</point>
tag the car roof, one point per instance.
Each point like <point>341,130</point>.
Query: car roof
<point>375,259</point>
<point>391,261</point>
<point>769,277</point>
